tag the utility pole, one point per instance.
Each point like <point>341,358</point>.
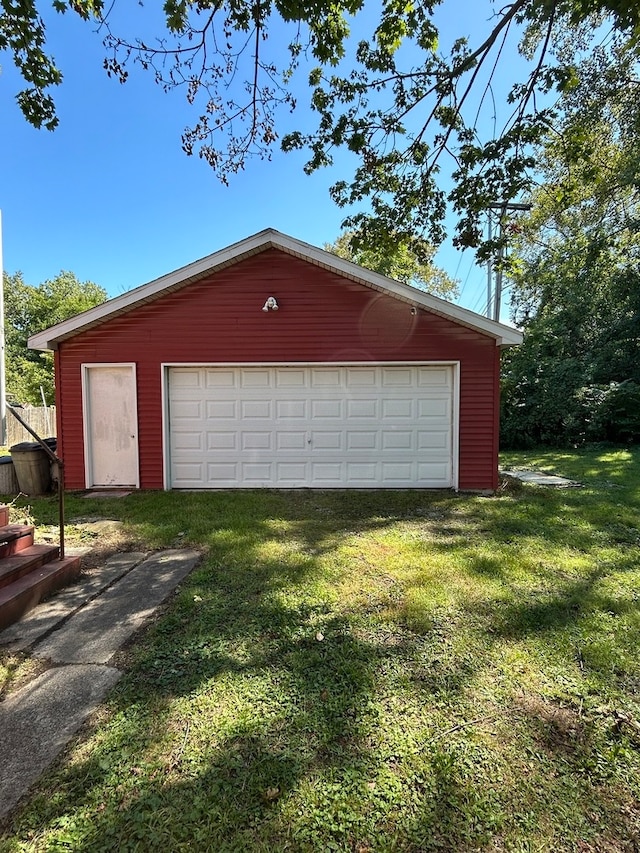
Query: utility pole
<point>503,207</point>
<point>489,268</point>
<point>498,294</point>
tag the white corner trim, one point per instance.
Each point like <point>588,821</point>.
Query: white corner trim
<point>455,420</point>
<point>166,446</point>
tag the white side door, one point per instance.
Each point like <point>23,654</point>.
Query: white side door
<point>110,425</point>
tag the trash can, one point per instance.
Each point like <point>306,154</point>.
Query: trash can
<point>32,467</point>
<point>8,480</point>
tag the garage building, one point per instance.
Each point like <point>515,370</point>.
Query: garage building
<point>273,363</point>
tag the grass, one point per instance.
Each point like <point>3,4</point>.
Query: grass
<point>402,671</point>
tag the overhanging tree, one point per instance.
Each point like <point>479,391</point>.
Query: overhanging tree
<point>404,109</point>
<point>402,263</point>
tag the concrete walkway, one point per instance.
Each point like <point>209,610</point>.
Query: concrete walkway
<point>77,632</point>
<point>539,478</point>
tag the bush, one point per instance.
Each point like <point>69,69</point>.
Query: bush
<point>619,413</point>
<point>592,413</point>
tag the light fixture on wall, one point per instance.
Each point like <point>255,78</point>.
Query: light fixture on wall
<point>270,304</point>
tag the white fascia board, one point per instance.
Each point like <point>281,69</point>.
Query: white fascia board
<point>269,238</point>
<point>48,338</point>
<point>504,335</point>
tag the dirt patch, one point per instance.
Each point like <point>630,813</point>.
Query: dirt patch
<point>560,724</point>
<point>16,670</point>
<point>96,537</point>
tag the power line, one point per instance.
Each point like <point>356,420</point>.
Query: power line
<point>471,265</point>
<point>455,275</point>
<point>479,299</point>
<point>477,304</point>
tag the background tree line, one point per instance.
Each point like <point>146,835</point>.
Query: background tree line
<point>576,269</point>
<point>30,309</point>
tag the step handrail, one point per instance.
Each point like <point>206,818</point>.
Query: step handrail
<point>54,458</point>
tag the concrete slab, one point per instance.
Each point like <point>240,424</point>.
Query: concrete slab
<point>37,721</point>
<point>114,494</point>
<point>96,632</point>
<point>539,478</point>
<point>40,621</point>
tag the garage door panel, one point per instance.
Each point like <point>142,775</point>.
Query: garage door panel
<point>362,473</point>
<point>252,378</point>
<point>434,377</point>
<point>397,377</point>
<point>255,409</point>
<point>362,439</point>
<point>327,409</point>
<point>291,472</point>
<point>186,377</point>
<point>222,473</point>
<point>395,409</point>
<point>303,426</point>
<point>222,409</point>
<point>434,407</point>
<point>433,470</point>
<point>434,439</point>
<point>187,409</point>
<point>257,473</point>
<point>218,379</point>
<point>289,378</point>
<point>362,409</point>
<point>190,441</point>
<point>327,473</point>
<point>327,440</point>
<point>361,378</point>
<point>188,473</point>
<point>326,378</point>
<point>257,441</point>
<point>291,409</point>
<point>397,472</point>
<point>219,440</point>
<point>392,440</point>
<point>291,440</point>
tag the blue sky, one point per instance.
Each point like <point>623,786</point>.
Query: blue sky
<point>111,196</point>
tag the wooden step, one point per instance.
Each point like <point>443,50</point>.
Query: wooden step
<point>24,593</point>
<point>4,515</point>
<point>15,538</point>
<point>28,559</point>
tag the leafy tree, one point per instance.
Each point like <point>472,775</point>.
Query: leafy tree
<point>395,99</point>
<point>401,264</point>
<point>576,291</point>
<point>576,377</point>
<point>29,310</point>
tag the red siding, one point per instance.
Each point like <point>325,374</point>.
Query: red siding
<point>322,317</point>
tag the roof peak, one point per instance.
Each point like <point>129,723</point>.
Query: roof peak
<point>256,243</point>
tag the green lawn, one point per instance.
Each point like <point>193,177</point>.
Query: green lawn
<point>391,671</point>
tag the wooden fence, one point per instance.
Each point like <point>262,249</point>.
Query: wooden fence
<point>42,420</point>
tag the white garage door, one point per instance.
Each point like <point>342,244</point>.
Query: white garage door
<point>326,427</point>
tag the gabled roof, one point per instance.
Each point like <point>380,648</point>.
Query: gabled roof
<point>269,239</point>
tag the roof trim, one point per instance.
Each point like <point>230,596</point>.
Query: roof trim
<point>269,239</point>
